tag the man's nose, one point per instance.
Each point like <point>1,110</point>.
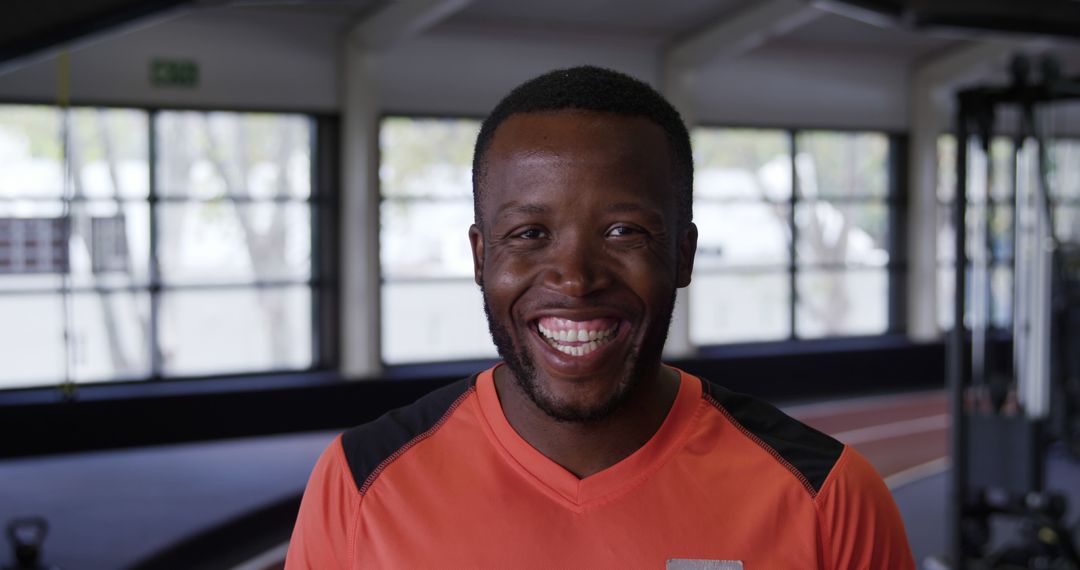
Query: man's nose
<point>576,268</point>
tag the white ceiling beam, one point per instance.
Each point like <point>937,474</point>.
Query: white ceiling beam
<point>740,33</point>
<point>401,20</point>
<point>964,63</point>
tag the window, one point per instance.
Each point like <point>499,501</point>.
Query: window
<point>742,207</point>
<point>234,242</point>
<point>790,247</point>
<point>998,213</point>
<point>138,245</point>
<point>1000,210</point>
<point>432,309</point>
<point>1065,188</point>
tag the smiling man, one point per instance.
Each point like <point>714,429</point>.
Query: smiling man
<point>583,449</point>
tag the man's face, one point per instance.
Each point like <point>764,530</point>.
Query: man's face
<point>580,255</point>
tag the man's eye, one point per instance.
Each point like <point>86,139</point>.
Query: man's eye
<point>531,233</point>
<point>622,231</point>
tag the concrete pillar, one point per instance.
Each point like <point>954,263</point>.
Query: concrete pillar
<point>360,323</point>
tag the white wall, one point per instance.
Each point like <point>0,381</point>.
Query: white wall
<point>782,87</point>
<point>246,58</point>
<point>289,60</point>
<point>462,71</point>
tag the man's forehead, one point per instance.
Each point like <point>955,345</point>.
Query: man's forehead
<point>537,134</point>
<point>531,144</point>
<point>525,206</point>
<point>532,153</point>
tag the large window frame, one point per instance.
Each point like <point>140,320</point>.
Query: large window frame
<point>321,282</point>
<point>464,280</point>
<point>894,201</point>
<point>999,209</point>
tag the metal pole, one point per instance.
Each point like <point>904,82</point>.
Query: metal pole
<point>957,353</point>
<point>1036,394</point>
<point>980,268</point>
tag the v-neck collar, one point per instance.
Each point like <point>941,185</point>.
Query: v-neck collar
<point>564,486</point>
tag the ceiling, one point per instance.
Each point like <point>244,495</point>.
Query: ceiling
<point>640,18</point>
<point>837,33</point>
<point>29,26</point>
<point>32,26</point>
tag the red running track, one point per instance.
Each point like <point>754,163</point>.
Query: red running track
<point>904,436</point>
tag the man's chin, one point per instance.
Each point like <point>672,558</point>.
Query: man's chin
<point>584,408</point>
<point>560,391</point>
<point>587,397</point>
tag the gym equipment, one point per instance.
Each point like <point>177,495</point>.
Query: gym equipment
<point>26,536</point>
<point>1009,409</point>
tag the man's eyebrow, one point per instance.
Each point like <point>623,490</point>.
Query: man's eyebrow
<point>518,208</point>
<point>631,208</point>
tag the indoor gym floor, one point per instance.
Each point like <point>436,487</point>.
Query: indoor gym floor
<point>174,506</point>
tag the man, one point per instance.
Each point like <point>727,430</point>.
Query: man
<point>582,449</point>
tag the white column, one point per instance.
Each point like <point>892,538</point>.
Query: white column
<point>360,323</point>
<point>926,125</point>
<point>678,88</point>
<point>361,354</point>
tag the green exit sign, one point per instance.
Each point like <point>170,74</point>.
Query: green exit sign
<point>174,73</point>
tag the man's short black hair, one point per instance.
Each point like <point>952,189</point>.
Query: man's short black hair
<point>590,88</point>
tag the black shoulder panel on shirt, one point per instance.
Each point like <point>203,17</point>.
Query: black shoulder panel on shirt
<point>368,446</point>
<point>808,452</point>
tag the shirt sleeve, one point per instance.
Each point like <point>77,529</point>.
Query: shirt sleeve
<point>322,537</point>
<point>860,524</point>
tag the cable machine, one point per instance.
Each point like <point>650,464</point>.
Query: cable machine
<point>1009,407</point>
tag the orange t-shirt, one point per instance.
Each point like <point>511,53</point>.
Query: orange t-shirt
<point>447,483</point>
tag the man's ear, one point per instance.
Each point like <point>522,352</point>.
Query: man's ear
<point>476,238</point>
<point>687,247</point>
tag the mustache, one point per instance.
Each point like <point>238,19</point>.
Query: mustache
<point>560,302</point>
<point>573,304</point>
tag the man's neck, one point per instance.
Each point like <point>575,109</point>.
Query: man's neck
<point>585,448</point>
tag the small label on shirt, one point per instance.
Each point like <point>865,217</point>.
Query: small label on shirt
<point>691,564</point>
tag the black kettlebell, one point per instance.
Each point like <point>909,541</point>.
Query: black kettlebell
<point>26,536</point>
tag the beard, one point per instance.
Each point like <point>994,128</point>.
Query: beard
<point>523,369</point>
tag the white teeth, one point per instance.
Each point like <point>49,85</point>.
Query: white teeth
<point>580,350</point>
<point>592,339</point>
<point>566,349</point>
<point>578,335</point>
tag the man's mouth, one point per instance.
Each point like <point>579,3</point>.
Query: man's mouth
<point>577,338</point>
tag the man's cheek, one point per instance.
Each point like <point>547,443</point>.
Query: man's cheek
<point>507,274</point>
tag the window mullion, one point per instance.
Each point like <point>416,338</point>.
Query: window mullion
<point>897,234</point>
<point>793,290</point>
<point>154,269</point>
